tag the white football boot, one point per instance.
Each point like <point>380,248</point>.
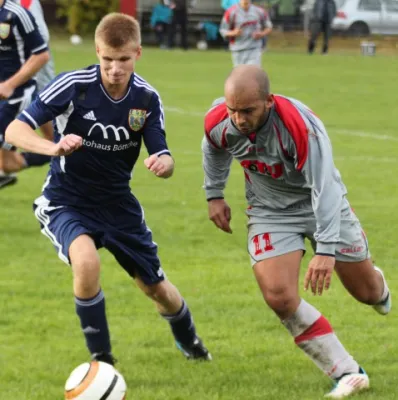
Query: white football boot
<point>349,384</point>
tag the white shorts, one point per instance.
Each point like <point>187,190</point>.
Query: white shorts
<point>251,56</point>
<point>278,234</point>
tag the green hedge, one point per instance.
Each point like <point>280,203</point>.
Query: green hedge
<point>83,15</point>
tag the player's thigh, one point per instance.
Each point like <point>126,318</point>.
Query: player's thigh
<point>61,225</point>
<point>276,251</point>
<point>84,258</point>
<point>278,279</point>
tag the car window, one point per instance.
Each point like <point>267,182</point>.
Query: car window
<point>369,5</point>
<point>340,3</point>
<point>391,5</point>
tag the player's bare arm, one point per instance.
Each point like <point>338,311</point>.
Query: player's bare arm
<point>23,136</point>
<point>162,166</point>
<point>261,34</point>
<point>27,71</point>
<point>234,33</point>
<point>220,214</point>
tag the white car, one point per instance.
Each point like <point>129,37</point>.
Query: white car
<point>364,17</point>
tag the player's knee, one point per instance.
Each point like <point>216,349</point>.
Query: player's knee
<point>163,292</point>
<point>281,300</point>
<point>8,163</point>
<point>156,292</point>
<point>86,274</point>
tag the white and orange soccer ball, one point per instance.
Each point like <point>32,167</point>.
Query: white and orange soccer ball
<point>95,381</point>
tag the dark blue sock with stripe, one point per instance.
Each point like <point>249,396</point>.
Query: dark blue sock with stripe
<point>182,325</point>
<point>93,322</point>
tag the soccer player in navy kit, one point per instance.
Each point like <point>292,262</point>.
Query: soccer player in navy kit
<point>23,53</point>
<point>102,114</point>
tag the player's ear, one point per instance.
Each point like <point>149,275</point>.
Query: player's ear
<point>139,52</point>
<point>97,50</point>
<point>269,102</point>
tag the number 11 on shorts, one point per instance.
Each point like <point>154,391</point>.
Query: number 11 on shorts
<point>262,243</point>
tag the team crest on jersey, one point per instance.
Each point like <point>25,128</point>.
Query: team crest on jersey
<point>4,31</point>
<point>137,119</point>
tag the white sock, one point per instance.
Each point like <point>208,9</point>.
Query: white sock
<point>314,335</point>
<point>386,291</point>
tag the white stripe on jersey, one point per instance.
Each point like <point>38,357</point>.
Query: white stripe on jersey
<point>62,121</point>
<point>39,48</point>
<point>66,78</point>
<point>140,82</point>
<point>71,82</point>
<point>29,117</point>
<point>20,45</point>
<point>22,15</point>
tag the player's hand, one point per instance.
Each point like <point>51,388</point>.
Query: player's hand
<point>67,145</point>
<point>236,32</point>
<point>6,90</point>
<point>220,214</point>
<point>257,35</point>
<point>162,166</point>
<point>319,273</point>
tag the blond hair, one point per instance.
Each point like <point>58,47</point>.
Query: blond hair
<point>117,29</point>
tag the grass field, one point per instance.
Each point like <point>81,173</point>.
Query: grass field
<point>254,357</point>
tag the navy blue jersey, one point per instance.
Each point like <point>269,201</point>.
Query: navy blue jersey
<point>112,130</point>
<point>19,39</point>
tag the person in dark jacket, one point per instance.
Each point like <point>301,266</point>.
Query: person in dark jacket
<point>180,19</point>
<point>322,16</point>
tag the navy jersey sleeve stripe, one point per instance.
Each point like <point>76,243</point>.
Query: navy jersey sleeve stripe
<point>39,49</point>
<point>29,119</point>
<point>22,15</point>
<point>47,99</point>
<point>63,80</point>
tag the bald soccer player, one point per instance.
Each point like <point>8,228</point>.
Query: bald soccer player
<point>294,191</point>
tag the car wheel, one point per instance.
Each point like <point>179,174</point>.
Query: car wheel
<point>359,29</point>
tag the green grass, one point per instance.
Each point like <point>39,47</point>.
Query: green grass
<point>254,357</point>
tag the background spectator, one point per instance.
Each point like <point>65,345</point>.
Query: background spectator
<point>160,22</point>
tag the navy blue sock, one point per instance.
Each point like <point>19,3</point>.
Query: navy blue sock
<point>182,325</point>
<point>93,322</point>
<point>35,160</point>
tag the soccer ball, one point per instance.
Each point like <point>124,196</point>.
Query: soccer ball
<point>76,39</point>
<point>201,45</point>
<point>95,381</point>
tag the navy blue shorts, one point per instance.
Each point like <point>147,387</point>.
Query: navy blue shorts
<point>120,228</point>
<point>9,110</point>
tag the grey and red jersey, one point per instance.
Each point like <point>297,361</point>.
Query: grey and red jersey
<point>288,165</point>
<point>250,21</point>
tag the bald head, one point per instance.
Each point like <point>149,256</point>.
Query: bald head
<point>247,97</point>
<point>247,80</point>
